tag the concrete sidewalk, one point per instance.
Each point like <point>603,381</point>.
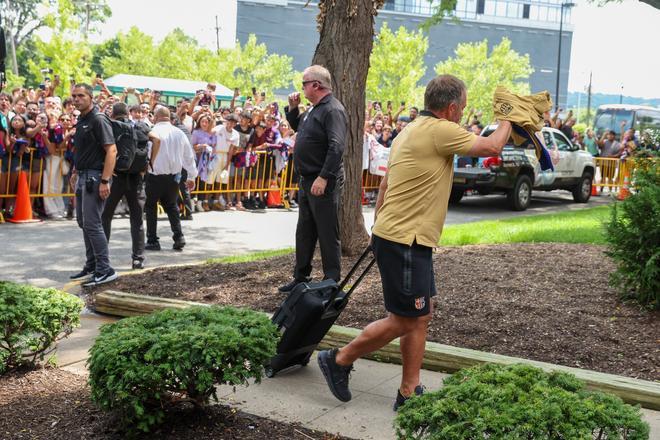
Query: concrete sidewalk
<point>302,395</point>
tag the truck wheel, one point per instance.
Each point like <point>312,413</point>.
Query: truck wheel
<point>456,196</point>
<point>582,191</point>
<point>520,195</point>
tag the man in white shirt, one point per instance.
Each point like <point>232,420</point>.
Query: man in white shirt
<point>170,153</point>
<point>228,140</point>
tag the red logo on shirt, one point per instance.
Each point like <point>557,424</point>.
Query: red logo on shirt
<point>420,303</point>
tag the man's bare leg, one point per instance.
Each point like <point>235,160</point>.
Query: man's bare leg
<point>413,346</point>
<point>376,335</point>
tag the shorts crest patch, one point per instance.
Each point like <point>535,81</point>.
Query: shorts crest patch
<point>420,303</point>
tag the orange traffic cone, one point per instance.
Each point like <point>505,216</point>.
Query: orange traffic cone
<point>23,209</point>
<point>274,197</point>
<point>625,190</point>
<point>594,190</point>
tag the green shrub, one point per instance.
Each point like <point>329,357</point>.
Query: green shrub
<point>140,366</point>
<point>31,321</point>
<point>633,236</point>
<point>517,402</point>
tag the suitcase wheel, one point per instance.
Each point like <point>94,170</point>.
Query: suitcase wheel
<point>269,371</point>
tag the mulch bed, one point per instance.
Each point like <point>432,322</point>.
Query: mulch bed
<point>55,405</point>
<point>546,302</point>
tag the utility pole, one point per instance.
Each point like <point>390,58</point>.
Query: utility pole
<point>589,98</point>
<point>217,35</point>
<point>12,43</point>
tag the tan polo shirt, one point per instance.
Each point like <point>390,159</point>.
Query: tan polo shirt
<point>419,178</point>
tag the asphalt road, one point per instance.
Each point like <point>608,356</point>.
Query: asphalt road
<point>45,254</point>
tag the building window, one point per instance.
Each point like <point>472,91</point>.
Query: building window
<point>526,11</point>
<point>481,6</point>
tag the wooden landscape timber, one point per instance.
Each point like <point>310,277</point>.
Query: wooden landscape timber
<point>438,357</point>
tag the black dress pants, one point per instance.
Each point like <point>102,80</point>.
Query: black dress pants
<point>163,188</point>
<point>129,185</point>
<point>318,219</point>
<point>184,194</point>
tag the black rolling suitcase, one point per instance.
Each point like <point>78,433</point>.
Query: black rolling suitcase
<point>306,315</point>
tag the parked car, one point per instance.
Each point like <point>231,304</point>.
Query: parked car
<point>516,171</point>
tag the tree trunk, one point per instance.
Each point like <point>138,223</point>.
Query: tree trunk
<point>346,30</point>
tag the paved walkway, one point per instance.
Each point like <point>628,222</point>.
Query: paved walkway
<point>302,395</point>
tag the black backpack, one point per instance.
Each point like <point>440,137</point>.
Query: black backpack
<point>141,158</point>
<point>132,145</point>
<point>126,142</point>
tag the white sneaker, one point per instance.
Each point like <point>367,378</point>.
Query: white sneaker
<point>102,279</point>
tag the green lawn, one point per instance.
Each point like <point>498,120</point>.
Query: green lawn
<point>582,226</point>
<point>254,256</point>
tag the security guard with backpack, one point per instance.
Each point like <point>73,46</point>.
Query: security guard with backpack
<point>132,140</point>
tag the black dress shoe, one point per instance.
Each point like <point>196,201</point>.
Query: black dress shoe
<point>152,246</point>
<point>289,287</point>
<point>179,243</point>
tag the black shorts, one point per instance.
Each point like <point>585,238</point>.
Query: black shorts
<point>407,276</point>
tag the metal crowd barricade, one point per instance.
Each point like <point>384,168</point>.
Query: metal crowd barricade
<point>611,173</point>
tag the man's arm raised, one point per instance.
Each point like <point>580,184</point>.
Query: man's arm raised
<point>493,144</point>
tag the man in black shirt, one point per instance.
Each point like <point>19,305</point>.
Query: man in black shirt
<point>318,159</point>
<point>94,162</point>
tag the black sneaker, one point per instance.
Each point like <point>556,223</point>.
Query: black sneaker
<point>138,264</point>
<point>335,375</point>
<point>179,243</point>
<point>102,278</point>
<point>400,399</point>
<point>249,204</point>
<point>186,217</point>
<point>152,246</point>
<point>82,274</point>
<point>289,286</point>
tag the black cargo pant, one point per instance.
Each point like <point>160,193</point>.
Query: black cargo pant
<point>163,188</point>
<point>131,186</point>
<point>318,219</point>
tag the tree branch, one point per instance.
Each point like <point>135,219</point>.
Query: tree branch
<point>27,34</point>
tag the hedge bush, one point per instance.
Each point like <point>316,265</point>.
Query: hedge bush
<point>517,402</point>
<point>633,236</point>
<point>31,321</point>
<point>141,366</point>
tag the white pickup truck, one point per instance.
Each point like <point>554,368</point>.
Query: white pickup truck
<point>517,171</point>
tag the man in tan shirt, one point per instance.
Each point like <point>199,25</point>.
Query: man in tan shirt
<point>410,213</point>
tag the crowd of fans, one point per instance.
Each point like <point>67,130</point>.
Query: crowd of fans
<point>239,148</point>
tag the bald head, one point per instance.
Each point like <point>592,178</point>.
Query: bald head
<point>161,113</point>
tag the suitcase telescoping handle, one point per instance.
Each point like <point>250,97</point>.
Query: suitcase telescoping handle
<point>351,272</point>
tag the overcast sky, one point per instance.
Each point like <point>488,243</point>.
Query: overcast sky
<point>618,42</point>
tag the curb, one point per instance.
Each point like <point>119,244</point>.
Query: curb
<point>437,357</point>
